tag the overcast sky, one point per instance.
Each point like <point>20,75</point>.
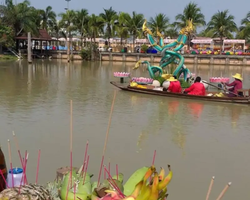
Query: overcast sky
<point>238,8</point>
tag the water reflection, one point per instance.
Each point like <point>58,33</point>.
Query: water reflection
<point>195,108</point>
<point>35,104</point>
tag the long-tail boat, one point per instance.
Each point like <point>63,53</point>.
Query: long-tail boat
<point>150,90</point>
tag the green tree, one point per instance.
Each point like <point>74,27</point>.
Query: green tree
<point>222,25</point>
<point>190,12</point>
<point>244,29</point>
<point>6,36</point>
<point>96,25</point>
<point>20,17</point>
<point>68,27</point>
<point>109,16</point>
<point>81,22</point>
<point>121,27</point>
<point>159,23</point>
<point>134,24</point>
<point>47,17</point>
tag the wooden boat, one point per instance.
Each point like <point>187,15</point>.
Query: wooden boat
<point>236,100</point>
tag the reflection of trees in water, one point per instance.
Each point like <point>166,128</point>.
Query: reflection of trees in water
<point>175,117</point>
<point>168,118</point>
<point>25,85</point>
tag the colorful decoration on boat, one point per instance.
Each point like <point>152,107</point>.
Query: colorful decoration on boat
<point>121,74</point>
<point>142,80</point>
<point>219,79</point>
<point>169,52</point>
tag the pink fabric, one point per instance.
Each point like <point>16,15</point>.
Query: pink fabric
<point>196,89</point>
<point>236,85</point>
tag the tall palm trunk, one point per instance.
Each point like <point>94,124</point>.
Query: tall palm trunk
<point>133,43</point>
<point>221,44</point>
<point>91,48</point>
<point>68,48</point>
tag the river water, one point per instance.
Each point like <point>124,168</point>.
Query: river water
<point>199,139</point>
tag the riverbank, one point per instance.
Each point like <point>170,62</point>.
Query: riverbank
<point>7,57</point>
<point>189,59</point>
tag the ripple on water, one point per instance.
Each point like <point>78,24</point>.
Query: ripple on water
<point>199,139</point>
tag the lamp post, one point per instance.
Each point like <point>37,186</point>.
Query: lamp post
<point>68,4</point>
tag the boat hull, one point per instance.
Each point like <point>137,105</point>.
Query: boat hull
<point>235,100</point>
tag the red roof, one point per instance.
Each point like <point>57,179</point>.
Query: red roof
<point>43,35</point>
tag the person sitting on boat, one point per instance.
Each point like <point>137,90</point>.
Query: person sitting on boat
<point>197,88</point>
<point>235,85</point>
<point>174,86</point>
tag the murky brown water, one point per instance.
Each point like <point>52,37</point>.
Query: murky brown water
<point>199,139</point>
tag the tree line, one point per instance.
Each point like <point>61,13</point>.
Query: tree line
<point>22,17</point>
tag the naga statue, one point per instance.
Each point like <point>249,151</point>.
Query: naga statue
<point>169,52</point>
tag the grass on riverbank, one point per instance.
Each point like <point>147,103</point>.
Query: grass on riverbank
<point>7,57</point>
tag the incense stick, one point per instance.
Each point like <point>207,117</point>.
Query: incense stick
<point>109,165</point>
<point>10,159</point>
<point>223,191</point>
<point>106,138</point>
<point>71,140</point>
<point>25,167</point>
<point>153,162</point>
<point>86,170</point>
<point>114,184</point>
<point>85,157</point>
<point>18,149</point>
<point>210,187</point>
<point>38,162</point>
<point>104,174</point>
<point>71,147</point>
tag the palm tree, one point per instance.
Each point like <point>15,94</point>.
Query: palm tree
<point>47,16</point>
<point>172,31</point>
<point>191,12</point>
<point>20,17</point>
<point>109,16</point>
<point>159,23</point>
<point>67,23</point>
<point>55,30</point>
<point>121,28</point>
<point>244,29</point>
<point>81,22</point>
<point>222,25</point>
<point>134,24</point>
<point>96,25</point>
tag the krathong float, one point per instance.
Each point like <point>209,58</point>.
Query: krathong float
<point>169,52</point>
<point>219,79</point>
<point>121,74</point>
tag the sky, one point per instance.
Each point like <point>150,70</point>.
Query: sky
<point>237,8</point>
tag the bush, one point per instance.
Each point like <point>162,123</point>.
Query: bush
<point>85,54</point>
<point>144,48</point>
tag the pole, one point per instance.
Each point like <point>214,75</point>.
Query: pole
<point>29,48</point>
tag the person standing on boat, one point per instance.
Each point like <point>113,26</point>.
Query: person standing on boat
<point>197,88</point>
<point>235,85</point>
<point>174,86</point>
